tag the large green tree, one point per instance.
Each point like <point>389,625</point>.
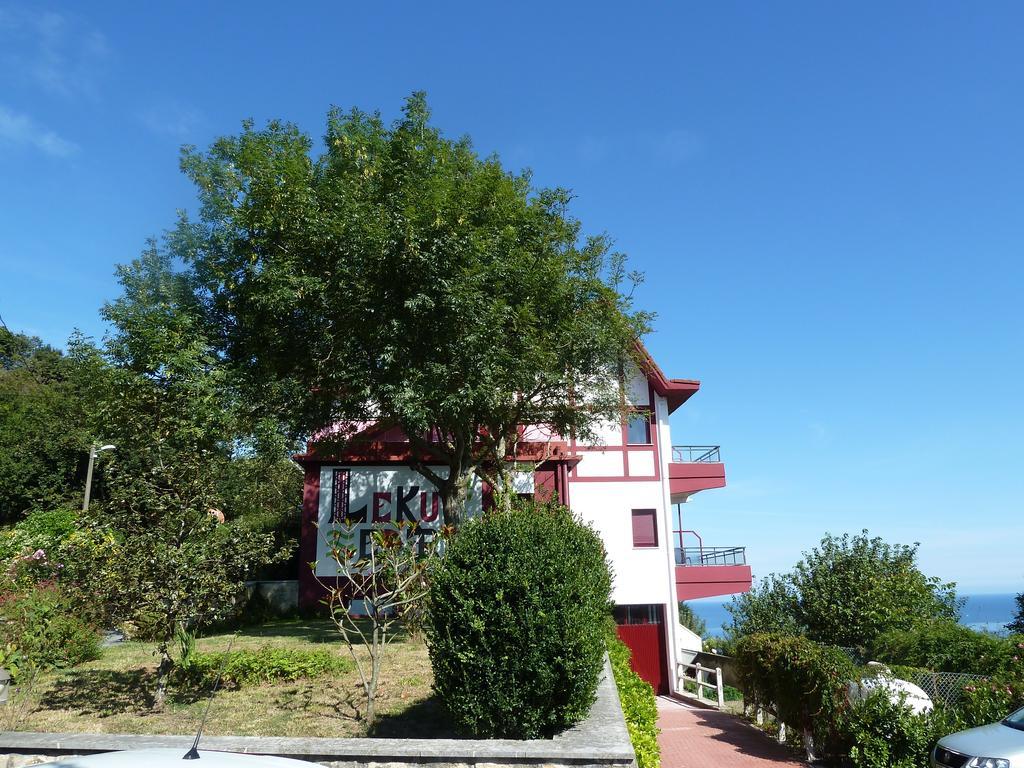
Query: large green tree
<point>166,552</point>
<point>398,277</point>
<point>846,591</point>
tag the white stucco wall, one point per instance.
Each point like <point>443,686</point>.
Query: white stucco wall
<point>639,571</point>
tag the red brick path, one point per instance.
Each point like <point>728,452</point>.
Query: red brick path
<point>692,737</point>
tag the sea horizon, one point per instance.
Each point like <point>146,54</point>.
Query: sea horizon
<point>981,611</point>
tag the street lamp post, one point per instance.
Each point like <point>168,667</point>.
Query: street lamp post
<point>93,450</point>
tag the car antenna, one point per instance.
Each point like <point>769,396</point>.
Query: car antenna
<point>193,754</point>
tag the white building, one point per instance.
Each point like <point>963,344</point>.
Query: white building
<point>629,484</point>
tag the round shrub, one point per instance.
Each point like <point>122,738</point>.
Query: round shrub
<point>515,625</point>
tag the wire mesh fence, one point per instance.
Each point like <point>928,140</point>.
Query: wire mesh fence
<point>944,688</point>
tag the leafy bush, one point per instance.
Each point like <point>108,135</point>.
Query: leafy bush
<point>638,703</point>
<point>45,530</point>
<point>40,621</point>
<point>995,698</point>
<point>881,733</point>
<point>264,665</point>
<point>803,683</point>
<point>515,625</point>
<point>946,646</point>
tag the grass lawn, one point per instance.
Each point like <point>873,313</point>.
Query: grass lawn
<point>112,694</point>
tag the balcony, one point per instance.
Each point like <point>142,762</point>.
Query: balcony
<point>694,468</point>
<point>709,571</point>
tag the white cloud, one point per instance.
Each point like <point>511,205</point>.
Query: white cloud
<point>54,52</point>
<point>20,129</point>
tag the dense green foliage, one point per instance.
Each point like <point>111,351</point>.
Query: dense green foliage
<point>43,432</point>
<point>846,591</point>
<point>253,667</point>
<point>399,277</point>
<point>40,621</point>
<point>639,707</point>
<point>804,684</point>
<point>45,529</point>
<point>994,698</point>
<point>880,733</point>
<point>946,646</point>
<point>515,624</point>
<point>154,553</point>
<point>691,620</point>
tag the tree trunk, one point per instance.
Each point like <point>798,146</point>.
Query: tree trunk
<point>162,673</point>
<point>376,648</point>
<point>453,496</point>
<point>809,749</point>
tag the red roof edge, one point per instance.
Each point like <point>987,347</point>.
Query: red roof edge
<point>675,391</point>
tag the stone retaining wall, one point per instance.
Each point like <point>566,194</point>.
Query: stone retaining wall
<point>600,741</point>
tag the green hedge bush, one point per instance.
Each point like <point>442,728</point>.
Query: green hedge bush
<point>262,665</point>
<point>946,646</point>
<point>805,683</point>
<point>515,623</point>
<point>638,703</point>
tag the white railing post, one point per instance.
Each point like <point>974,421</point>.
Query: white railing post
<point>718,686</point>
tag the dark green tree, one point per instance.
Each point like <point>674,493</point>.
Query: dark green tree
<point>846,591</point>
<point>771,606</point>
<point>400,278</point>
<point>43,435</point>
<point>689,619</point>
<point>1017,625</point>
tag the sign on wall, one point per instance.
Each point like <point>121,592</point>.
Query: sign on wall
<point>378,497</point>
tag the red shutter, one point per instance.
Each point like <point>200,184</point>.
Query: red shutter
<point>645,528</point>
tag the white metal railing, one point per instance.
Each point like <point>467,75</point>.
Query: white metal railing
<point>700,677</point>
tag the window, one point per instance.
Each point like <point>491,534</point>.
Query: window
<point>645,528</point>
<point>637,614</point>
<point>638,428</point>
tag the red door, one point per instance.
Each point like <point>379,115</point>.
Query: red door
<point>642,628</point>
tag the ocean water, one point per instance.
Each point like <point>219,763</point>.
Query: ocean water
<point>986,613</point>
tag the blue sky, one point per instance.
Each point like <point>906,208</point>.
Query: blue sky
<point>826,199</point>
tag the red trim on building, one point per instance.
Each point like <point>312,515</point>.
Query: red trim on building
<point>685,478</point>
<point>400,452</point>
<point>675,391</point>
<point>697,581</point>
<point>310,591</point>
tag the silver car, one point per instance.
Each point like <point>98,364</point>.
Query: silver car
<point>999,745</point>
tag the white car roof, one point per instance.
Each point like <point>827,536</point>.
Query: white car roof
<point>173,758</point>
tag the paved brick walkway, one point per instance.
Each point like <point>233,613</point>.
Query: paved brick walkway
<point>692,737</point>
